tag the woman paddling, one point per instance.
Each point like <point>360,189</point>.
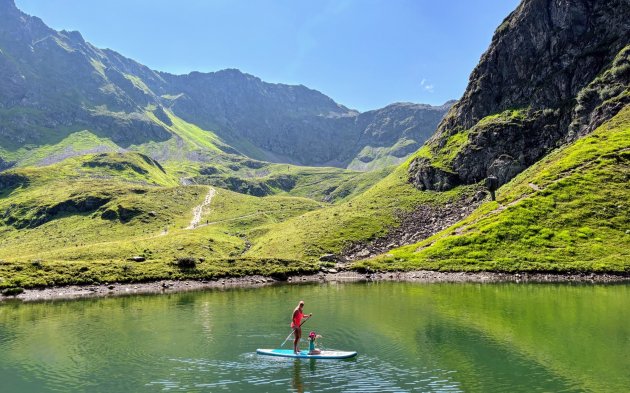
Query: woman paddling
<point>296,322</point>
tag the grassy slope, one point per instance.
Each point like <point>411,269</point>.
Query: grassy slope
<point>260,178</point>
<point>328,230</point>
<point>568,212</point>
<point>573,216</point>
<point>191,148</point>
<point>83,247</point>
<point>81,142</point>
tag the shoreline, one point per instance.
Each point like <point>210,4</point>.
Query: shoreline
<point>421,276</point>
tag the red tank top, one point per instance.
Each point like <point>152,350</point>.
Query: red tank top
<point>297,319</point>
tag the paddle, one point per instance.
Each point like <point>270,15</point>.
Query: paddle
<point>292,331</point>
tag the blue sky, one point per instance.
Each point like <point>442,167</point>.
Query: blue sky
<point>364,54</point>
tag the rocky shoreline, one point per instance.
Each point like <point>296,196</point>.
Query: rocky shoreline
<point>422,276</point>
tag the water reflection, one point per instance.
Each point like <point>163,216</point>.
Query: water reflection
<point>298,384</point>
<point>300,366</point>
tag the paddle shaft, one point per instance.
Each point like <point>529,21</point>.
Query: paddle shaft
<point>294,329</point>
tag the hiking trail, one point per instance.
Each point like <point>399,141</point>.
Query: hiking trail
<point>197,210</point>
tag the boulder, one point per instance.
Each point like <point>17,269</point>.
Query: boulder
<point>328,258</point>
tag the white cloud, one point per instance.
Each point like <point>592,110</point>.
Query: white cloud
<point>426,86</point>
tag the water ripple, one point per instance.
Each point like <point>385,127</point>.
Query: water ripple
<point>366,374</point>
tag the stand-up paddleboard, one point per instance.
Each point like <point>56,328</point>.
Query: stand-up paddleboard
<point>325,354</point>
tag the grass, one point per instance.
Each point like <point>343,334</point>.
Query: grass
<point>84,219</point>
<point>191,149</point>
<point>42,244</point>
<point>85,248</point>
<point>575,217</point>
<point>128,167</point>
<point>81,142</point>
<point>138,83</point>
<point>260,178</point>
<point>329,230</point>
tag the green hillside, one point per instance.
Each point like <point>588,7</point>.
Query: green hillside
<point>567,213</point>
<point>365,217</point>
<point>123,217</point>
<point>199,156</point>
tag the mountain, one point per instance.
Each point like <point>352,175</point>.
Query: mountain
<point>554,72</point>
<point>546,111</point>
<point>296,124</point>
<point>56,84</point>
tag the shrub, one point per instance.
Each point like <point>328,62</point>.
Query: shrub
<point>186,262</point>
<point>14,291</point>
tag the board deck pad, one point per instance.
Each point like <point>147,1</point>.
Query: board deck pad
<point>325,354</point>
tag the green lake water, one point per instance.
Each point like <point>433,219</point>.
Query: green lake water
<point>410,337</point>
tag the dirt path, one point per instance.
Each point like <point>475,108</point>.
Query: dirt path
<point>198,210</point>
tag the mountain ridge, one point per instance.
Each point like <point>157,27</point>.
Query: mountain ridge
<point>57,84</point>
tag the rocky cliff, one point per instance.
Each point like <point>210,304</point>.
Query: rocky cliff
<point>555,70</point>
<point>55,83</point>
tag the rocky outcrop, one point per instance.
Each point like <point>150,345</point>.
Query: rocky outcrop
<point>9,181</point>
<point>121,162</point>
<point>602,98</point>
<point>541,60</point>
<point>120,212</point>
<point>28,216</point>
<point>4,165</point>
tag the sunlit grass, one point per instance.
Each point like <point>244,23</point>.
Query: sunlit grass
<point>578,220</point>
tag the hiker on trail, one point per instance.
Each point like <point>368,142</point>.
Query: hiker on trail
<point>296,322</point>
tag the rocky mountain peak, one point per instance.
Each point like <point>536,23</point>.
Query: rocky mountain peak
<point>521,98</point>
<point>73,36</point>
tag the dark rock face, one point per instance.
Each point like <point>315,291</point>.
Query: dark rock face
<point>602,98</point>
<point>505,149</point>
<point>12,180</point>
<point>504,168</point>
<point>428,177</point>
<point>54,83</point>
<point>4,165</point>
<point>540,60</point>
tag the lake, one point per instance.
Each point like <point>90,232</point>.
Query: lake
<point>410,337</point>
